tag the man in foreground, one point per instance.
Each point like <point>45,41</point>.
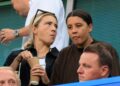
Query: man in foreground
<point>95,63</point>
<point>8,77</point>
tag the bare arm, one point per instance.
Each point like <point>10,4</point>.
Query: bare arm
<point>24,31</point>
<point>16,62</point>
<point>23,55</point>
<point>8,34</point>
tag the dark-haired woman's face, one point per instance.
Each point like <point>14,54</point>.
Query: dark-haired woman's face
<point>78,30</point>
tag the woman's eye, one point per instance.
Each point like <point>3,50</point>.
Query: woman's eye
<point>56,26</point>
<point>78,25</point>
<point>69,27</point>
<point>49,23</point>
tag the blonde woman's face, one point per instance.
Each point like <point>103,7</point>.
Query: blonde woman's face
<point>46,30</point>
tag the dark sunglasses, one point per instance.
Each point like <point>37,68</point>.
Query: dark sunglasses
<point>40,11</point>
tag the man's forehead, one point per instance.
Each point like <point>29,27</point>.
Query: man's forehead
<point>89,56</point>
<point>5,71</point>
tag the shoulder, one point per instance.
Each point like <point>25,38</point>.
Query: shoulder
<point>65,52</point>
<point>53,53</point>
<point>110,48</point>
<point>11,57</point>
<point>106,44</point>
<point>68,49</point>
<point>15,52</point>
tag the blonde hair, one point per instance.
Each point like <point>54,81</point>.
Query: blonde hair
<point>35,21</point>
<point>16,75</point>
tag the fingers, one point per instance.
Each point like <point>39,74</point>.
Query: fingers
<point>37,66</point>
<point>1,32</point>
<point>3,37</point>
<point>3,40</point>
<point>6,35</point>
<point>26,54</point>
<point>38,71</point>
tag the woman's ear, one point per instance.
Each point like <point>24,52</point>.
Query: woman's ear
<point>105,71</point>
<point>90,27</point>
<point>34,29</point>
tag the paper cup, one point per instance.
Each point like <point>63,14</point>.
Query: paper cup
<point>34,80</point>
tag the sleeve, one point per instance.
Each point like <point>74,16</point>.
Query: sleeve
<point>57,73</point>
<point>24,73</point>
<point>116,61</point>
<point>47,5</point>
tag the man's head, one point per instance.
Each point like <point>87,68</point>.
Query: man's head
<point>79,25</point>
<point>21,6</point>
<point>95,62</point>
<point>8,77</point>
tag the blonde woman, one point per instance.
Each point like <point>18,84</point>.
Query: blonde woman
<point>43,33</point>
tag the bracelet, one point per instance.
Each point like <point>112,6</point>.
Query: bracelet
<point>16,33</point>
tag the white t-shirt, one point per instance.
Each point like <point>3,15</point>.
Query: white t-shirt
<point>42,63</point>
<point>54,6</point>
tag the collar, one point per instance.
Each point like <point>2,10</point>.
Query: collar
<point>52,51</point>
<point>82,48</point>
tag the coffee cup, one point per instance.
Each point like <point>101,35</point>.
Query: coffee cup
<point>34,80</point>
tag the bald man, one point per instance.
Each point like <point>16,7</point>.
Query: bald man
<point>8,77</point>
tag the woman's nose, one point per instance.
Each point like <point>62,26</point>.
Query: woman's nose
<point>54,28</point>
<point>74,30</point>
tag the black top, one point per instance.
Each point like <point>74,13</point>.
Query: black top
<point>25,68</point>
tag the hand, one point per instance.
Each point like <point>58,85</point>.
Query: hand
<point>25,55</point>
<point>6,35</point>
<point>39,71</point>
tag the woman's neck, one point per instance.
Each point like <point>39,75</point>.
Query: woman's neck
<point>86,43</point>
<point>41,49</point>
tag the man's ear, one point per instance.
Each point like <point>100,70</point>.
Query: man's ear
<point>105,71</point>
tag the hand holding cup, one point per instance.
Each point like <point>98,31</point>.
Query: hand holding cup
<point>34,80</point>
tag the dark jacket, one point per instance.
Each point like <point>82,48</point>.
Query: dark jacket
<point>66,65</point>
<point>25,68</point>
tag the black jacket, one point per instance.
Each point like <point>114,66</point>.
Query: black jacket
<point>25,68</point>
